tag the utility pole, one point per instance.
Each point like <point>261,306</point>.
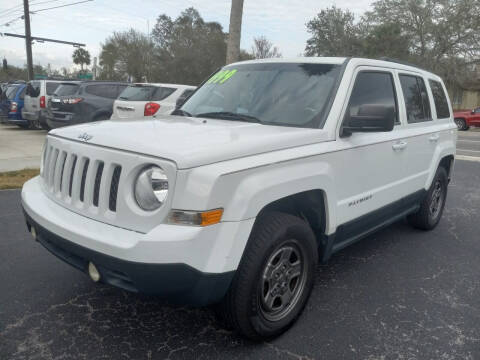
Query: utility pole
<point>234,32</point>
<point>28,39</point>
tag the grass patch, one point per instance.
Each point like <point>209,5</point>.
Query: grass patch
<point>16,179</point>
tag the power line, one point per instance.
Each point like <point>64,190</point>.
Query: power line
<point>60,6</point>
<point>17,8</point>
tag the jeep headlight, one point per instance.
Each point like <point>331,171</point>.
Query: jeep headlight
<point>151,188</point>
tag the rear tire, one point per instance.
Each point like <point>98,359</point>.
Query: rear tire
<point>274,279</point>
<point>431,208</point>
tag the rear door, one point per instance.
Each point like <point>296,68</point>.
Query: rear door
<point>422,133</point>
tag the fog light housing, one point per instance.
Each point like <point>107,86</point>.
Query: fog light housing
<point>93,272</point>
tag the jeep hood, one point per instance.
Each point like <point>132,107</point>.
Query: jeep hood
<point>191,142</point>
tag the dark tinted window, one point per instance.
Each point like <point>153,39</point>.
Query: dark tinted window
<point>33,89</point>
<point>161,93</point>
<point>102,90</point>
<point>66,89</point>
<point>416,98</point>
<point>289,94</point>
<point>440,100</point>
<point>119,90</point>
<point>372,89</point>
<point>187,93</point>
<point>51,87</point>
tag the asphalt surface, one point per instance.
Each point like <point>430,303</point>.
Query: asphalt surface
<point>468,143</point>
<point>399,294</point>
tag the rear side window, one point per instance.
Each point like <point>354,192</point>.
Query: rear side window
<point>440,100</point>
<point>66,89</point>
<point>103,90</point>
<point>51,87</point>
<point>187,93</point>
<point>416,99</point>
<point>372,89</point>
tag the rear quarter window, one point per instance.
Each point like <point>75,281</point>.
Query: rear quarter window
<point>33,89</point>
<point>440,99</point>
<point>145,93</point>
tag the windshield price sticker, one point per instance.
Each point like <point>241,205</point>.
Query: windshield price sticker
<point>221,76</point>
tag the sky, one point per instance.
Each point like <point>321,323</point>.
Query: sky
<point>282,22</point>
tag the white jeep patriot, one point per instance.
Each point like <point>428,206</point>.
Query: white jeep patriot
<point>268,168</point>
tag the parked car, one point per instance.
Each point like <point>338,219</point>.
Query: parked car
<point>276,165</point>
<point>466,118</point>
<point>37,95</point>
<point>15,94</point>
<point>80,102</point>
<point>4,101</point>
<point>146,100</point>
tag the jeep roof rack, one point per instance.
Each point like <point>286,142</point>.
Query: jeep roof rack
<point>385,58</point>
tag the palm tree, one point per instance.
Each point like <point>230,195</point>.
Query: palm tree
<point>80,57</point>
<point>234,33</point>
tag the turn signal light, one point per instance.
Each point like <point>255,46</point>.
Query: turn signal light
<point>151,108</point>
<point>195,218</point>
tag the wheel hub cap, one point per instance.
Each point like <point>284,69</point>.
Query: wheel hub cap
<point>283,281</point>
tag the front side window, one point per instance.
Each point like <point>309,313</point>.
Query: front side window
<point>373,92</point>
<point>416,99</point>
<point>284,94</point>
<point>440,100</point>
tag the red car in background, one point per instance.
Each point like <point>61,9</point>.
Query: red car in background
<point>466,118</point>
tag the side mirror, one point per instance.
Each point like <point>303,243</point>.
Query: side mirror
<point>369,118</point>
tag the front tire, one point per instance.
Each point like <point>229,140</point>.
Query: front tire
<point>461,124</point>
<point>431,208</point>
<point>274,278</point>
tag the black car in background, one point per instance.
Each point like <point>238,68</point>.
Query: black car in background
<point>80,102</point>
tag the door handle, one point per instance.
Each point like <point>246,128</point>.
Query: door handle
<point>399,145</point>
<point>434,138</point>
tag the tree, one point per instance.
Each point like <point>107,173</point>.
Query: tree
<point>263,49</point>
<point>80,57</point>
<point>126,54</point>
<point>187,49</point>
<point>235,30</point>
<point>334,33</point>
<point>443,36</point>
<point>386,40</point>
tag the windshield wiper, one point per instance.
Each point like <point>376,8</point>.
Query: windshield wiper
<point>180,112</point>
<point>227,115</point>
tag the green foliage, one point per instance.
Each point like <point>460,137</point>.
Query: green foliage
<point>187,49</point>
<point>13,73</point>
<point>81,57</point>
<point>439,35</point>
<point>126,53</point>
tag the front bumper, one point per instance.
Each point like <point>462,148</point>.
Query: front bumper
<point>178,283</point>
<point>185,264</point>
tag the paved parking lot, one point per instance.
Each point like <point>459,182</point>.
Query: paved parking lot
<point>468,144</point>
<point>399,294</point>
<point>19,148</point>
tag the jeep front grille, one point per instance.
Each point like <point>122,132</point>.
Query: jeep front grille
<point>76,178</point>
<point>97,182</point>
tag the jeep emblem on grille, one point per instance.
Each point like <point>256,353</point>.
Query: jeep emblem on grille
<point>85,137</point>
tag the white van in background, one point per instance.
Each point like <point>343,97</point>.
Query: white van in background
<point>36,99</point>
<point>144,99</point>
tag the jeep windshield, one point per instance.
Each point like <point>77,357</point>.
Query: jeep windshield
<point>286,94</point>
